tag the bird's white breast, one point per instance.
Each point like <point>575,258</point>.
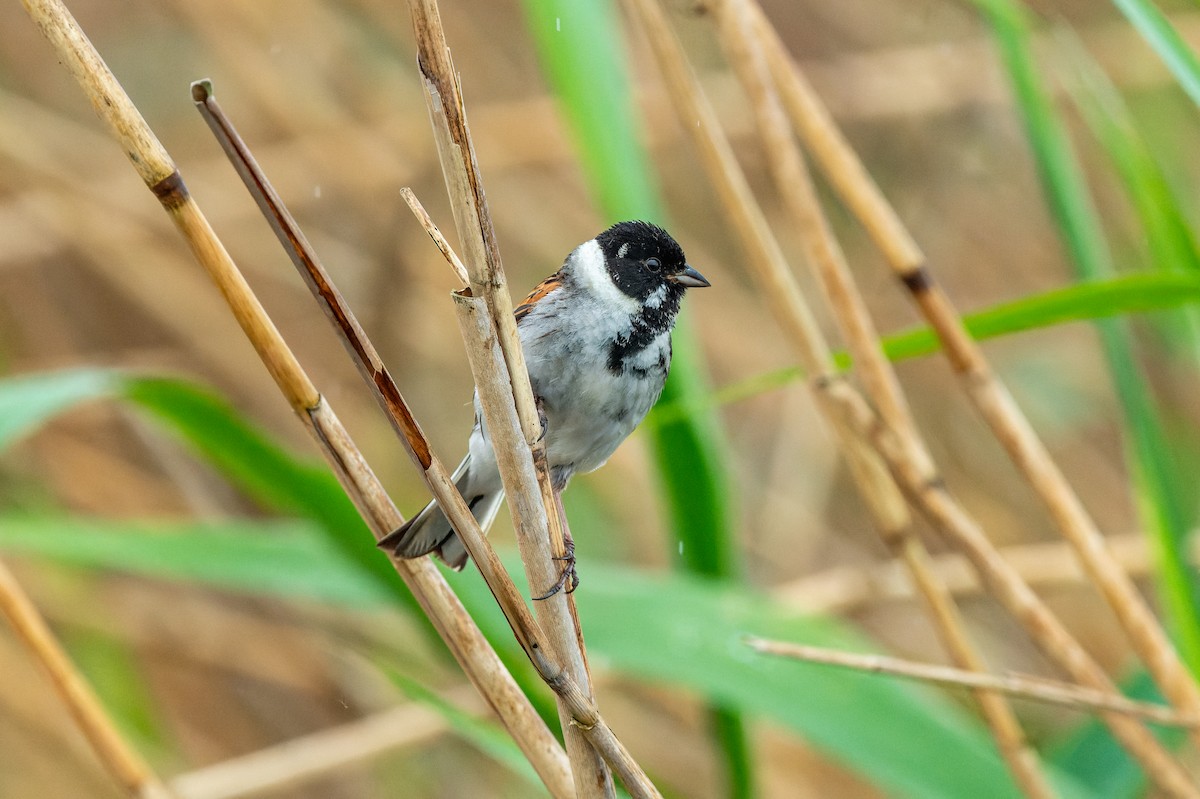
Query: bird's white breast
<point>567,339</point>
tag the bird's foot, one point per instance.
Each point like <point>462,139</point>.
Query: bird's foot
<point>542,420</point>
<point>569,577</point>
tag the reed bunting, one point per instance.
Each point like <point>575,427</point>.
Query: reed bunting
<point>597,341</point>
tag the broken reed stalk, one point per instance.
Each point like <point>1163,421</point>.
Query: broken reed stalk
<point>875,484</point>
<point>478,660</point>
<point>825,257</point>
<point>129,770</point>
<point>435,234</point>
<point>1008,423</point>
<point>580,711</point>
<point>520,451</point>
<point>1021,686</point>
<point>852,417</point>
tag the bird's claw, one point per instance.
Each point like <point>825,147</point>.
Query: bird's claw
<point>542,420</point>
<point>568,578</point>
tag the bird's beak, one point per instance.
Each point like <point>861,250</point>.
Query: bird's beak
<point>689,277</point>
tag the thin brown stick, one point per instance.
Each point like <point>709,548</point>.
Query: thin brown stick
<point>577,706</point>
<point>462,636</point>
<point>1022,686</point>
<point>519,449</point>
<point>825,256</point>
<point>129,770</point>
<point>1005,418</point>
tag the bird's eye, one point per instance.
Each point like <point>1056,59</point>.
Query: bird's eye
<point>653,264</point>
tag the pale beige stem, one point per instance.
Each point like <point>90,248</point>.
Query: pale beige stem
<point>435,234</point>
<point>1051,564</point>
<point>301,760</point>
<point>1022,686</point>
<point>130,771</point>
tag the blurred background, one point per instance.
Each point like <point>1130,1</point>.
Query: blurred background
<point>91,274</point>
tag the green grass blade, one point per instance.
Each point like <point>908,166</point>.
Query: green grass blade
<point>1166,41</point>
<point>29,401</point>
<point>1083,235</point>
<point>287,558</point>
<point>584,59</point>
<point>115,672</point>
<point>1172,244</point>
<point>245,455</point>
<point>265,471</point>
<point>1169,240</point>
<point>215,431</point>
<point>1127,294</point>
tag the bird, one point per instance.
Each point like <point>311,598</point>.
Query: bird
<point>597,341</point>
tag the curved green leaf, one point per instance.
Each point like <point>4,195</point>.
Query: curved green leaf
<point>1166,41</point>
<point>1096,299</point>
<point>676,630</point>
<point>291,558</point>
<point>217,432</point>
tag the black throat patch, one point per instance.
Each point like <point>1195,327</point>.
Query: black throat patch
<point>646,326</point>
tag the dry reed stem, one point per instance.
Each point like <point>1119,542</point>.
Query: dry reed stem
<point>491,381</point>
<point>130,771</point>
<point>1005,418</point>
<point>1003,582</point>
<point>1021,686</point>
<point>825,256</point>
<point>519,449</point>
<point>462,636</point>
<point>577,706</point>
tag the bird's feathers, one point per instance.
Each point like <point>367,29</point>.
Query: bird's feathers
<point>596,336</point>
<point>430,530</point>
<point>540,292</point>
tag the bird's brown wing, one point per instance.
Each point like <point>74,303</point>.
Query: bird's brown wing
<point>540,292</point>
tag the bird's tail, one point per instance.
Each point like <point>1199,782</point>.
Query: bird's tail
<point>430,530</point>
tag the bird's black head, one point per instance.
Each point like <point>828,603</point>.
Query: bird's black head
<point>643,258</point>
